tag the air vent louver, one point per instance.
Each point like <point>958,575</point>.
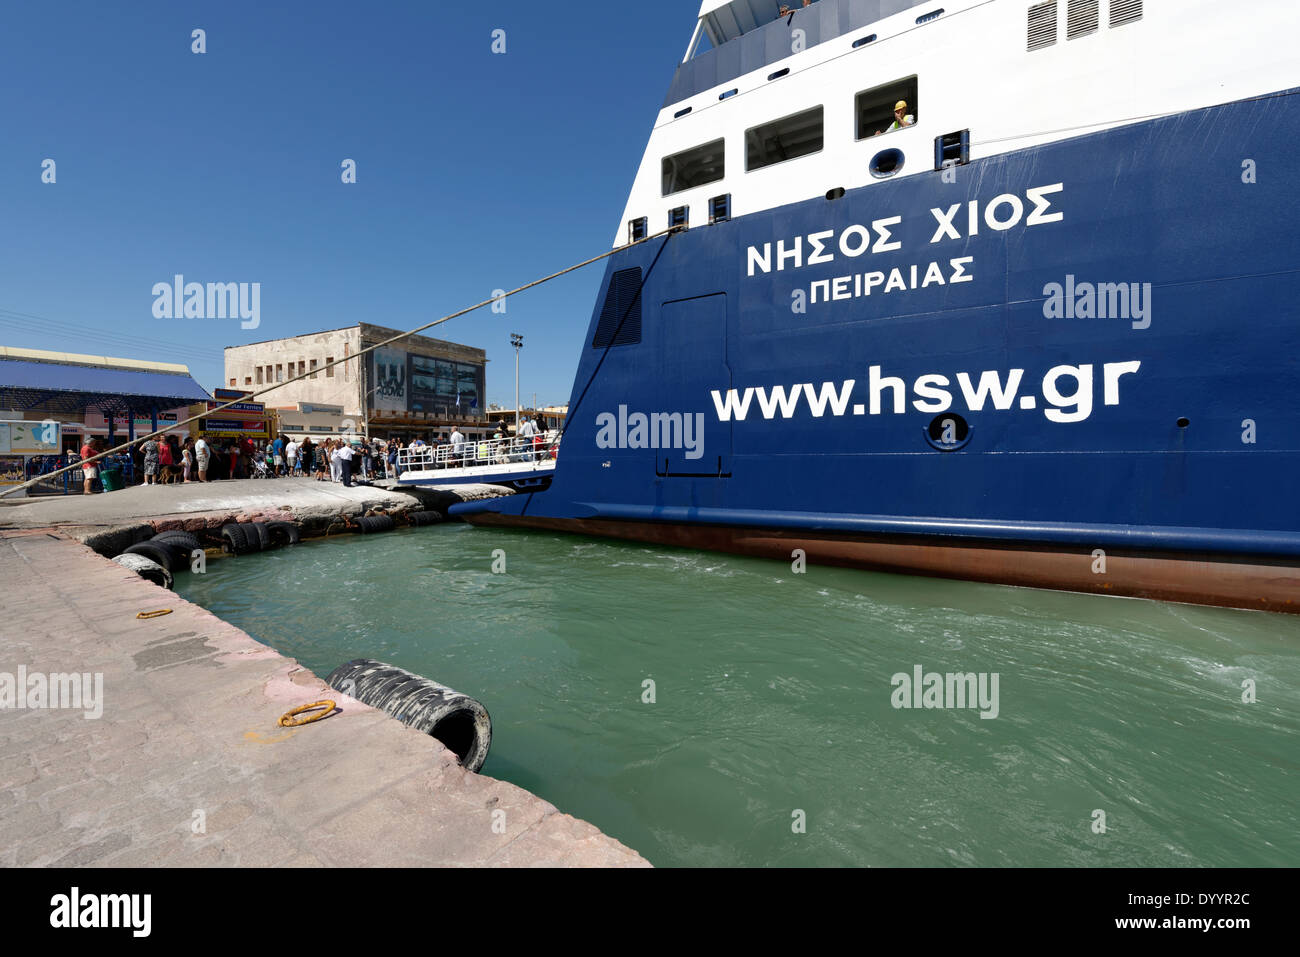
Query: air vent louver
<point>1081,18</point>
<point>620,316</point>
<point>1125,11</point>
<point>1042,25</point>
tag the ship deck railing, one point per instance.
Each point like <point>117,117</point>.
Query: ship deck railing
<point>524,451</point>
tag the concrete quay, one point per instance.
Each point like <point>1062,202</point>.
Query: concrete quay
<point>187,766</point>
<point>109,522</point>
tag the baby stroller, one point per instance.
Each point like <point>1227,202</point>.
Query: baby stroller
<point>260,469</point>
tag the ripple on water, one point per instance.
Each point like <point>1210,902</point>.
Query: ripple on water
<point>690,704</point>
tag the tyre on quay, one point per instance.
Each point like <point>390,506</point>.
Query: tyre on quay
<point>240,540</point>
<point>283,533</point>
<point>165,555</point>
<point>182,546</point>
<point>146,568</point>
<point>376,523</point>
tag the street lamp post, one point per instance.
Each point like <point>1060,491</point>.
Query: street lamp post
<point>517,341</point>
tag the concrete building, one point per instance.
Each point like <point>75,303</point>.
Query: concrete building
<point>416,387</point>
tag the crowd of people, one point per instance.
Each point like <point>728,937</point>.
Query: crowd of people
<point>167,460</point>
<point>455,450</point>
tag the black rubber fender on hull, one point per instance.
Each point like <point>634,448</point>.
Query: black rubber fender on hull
<point>455,719</point>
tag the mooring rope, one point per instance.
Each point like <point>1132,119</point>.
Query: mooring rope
<point>330,365</point>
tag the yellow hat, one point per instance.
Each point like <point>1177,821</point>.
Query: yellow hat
<point>900,105</point>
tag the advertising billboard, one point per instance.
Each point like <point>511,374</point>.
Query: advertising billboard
<point>444,387</point>
<point>32,438</point>
<point>12,469</point>
<point>389,378</point>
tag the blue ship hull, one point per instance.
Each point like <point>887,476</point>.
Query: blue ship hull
<point>1187,479</point>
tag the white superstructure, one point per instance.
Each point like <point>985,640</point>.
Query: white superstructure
<point>1013,73</point>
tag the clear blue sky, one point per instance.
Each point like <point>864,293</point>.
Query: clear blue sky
<point>474,170</point>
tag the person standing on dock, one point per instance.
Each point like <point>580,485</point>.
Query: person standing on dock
<point>201,454</point>
<point>335,474</point>
<point>88,471</point>
<point>345,454</point>
<point>150,450</point>
<point>187,460</point>
<point>291,456</point>
<point>305,455</point>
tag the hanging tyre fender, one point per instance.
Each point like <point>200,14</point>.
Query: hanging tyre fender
<point>235,540</point>
<point>146,568</point>
<point>283,533</point>
<point>160,553</point>
<point>258,534</point>
<point>184,539</point>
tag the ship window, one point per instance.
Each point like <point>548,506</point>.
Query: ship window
<point>620,315</point>
<point>778,74</point>
<point>720,208</point>
<point>1042,25</point>
<point>875,107</point>
<point>680,113</point>
<point>1125,11</point>
<point>927,17</point>
<point>693,167</point>
<point>863,41</point>
<point>679,216</point>
<point>785,139</point>
<point>952,149</point>
<point>732,92</point>
<point>1081,18</point>
<point>637,229</point>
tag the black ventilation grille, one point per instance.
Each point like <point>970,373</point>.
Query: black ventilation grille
<point>620,316</point>
<point>1042,25</point>
<point>1125,11</point>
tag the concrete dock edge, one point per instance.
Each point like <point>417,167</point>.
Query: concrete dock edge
<point>187,765</point>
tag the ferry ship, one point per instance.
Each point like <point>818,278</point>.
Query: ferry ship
<point>983,289</point>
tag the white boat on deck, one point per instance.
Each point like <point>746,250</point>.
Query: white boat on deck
<point>519,462</point>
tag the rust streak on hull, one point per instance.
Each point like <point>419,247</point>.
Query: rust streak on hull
<point>1233,582</point>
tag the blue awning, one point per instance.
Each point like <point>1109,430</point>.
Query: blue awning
<point>73,388</point>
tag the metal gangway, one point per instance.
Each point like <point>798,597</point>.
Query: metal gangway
<point>515,453</point>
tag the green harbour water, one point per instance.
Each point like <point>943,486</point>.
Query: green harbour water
<point>773,695</point>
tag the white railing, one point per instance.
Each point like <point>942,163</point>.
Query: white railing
<point>535,451</point>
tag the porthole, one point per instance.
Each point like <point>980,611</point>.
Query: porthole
<point>886,163</point>
<point>947,432</point>
<point>836,193</point>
